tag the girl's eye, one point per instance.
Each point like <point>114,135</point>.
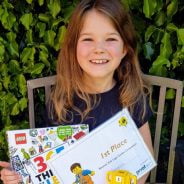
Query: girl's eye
<point>111,39</point>
<point>87,39</point>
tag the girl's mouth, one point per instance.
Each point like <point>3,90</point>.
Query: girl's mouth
<point>99,61</point>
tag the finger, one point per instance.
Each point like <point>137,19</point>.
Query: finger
<point>10,176</point>
<point>4,164</point>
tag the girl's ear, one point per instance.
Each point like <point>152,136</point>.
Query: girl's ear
<point>124,52</point>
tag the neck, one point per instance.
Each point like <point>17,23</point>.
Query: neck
<point>99,86</point>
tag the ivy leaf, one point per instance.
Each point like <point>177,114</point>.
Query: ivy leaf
<point>2,52</point>
<point>60,37</point>
<point>43,56</point>
<point>1,86</point>
<point>180,33</point>
<point>160,18</point>
<point>3,69</point>
<point>49,37</point>
<point>171,27</point>
<point>15,109</point>
<point>8,19</point>
<point>148,50</point>
<point>29,36</point>
<point>170,94</point>
<point>159,66</point>
<point>6,82</point>
<point>172,8</point>
<point>29,1</point>
<point>182,102</point>
<point>149,7</point>
<point>40,2</point>
<point>22,103</point>
<point>55,22</point>
<point>44,17</point>
<point>27,20</point>
<point>150,30</point>
<point>14,67</point>
<point>21,82</point>
<point>40,26</point>
<point>11,99</point>
<point>54,7</point>
<point>12,44</point>
<point>37,68</point>
<point>165,47</point>
<point>28,54</point>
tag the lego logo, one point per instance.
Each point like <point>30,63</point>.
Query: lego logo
<point>20,138</point>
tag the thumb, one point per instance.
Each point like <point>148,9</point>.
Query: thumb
<point>4,164</point>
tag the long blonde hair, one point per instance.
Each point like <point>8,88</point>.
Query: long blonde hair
<point>69,74</point>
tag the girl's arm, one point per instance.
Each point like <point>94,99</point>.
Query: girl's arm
<point>8,176</point>
<point>145,132</point>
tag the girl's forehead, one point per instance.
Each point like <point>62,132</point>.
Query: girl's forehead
<point>95,20</point>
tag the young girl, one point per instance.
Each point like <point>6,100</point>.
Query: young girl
<point>98,72</point>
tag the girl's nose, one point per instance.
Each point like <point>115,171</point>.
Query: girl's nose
<point>99,47</point>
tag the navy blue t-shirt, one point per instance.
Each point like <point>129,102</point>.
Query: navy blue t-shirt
<point>107,107</point>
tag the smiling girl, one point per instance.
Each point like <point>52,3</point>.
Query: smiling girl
<point>98,72</point>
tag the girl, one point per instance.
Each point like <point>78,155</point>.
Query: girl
<point>97,73</point>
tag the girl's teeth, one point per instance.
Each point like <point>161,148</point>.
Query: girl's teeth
<point>99,61</point>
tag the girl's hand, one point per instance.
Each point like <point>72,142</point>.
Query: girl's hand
<point>7,175</point>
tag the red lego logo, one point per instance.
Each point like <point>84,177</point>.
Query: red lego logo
<point>20,138</point>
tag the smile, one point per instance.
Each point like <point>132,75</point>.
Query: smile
<point>99,61</point>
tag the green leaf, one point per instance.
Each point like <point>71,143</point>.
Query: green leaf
<point>27,20</point>
<point>170,94</point>
<point>165,47</point>
<point>148,50</point>
<point>60,37</point>
<point>41,28</point>
<point>159,66</point>
<point>37,68</point>
<point>43,56</point>
<point>49,37</point>
<point>12,44</point>
<point>181,129</point>
<point>8,20</point>
<point>3,69</point>
<point>160,18</point>
<point>40,2</point>
<point>182,102</point>
<point>55,22</point>
<point>172,8</point>
<point>29,1</point>
<point>11,99</point>
<point>29,36</point>
<point>22,103</point>
<point>27,54</point>
<point>44,17</point>
<point>15,109</point>
<point>6,82</point>
<point>21,82</point>
<point>180,33</point>
<point>150,30</point>
<point>149,7</point>
<point>171,27</point>
<point>2,52</point>
<point>54,7</point>
<point>14,67</point>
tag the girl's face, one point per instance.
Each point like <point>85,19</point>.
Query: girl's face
<point>100,47</point>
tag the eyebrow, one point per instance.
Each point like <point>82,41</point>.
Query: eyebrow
<point>88,34</point>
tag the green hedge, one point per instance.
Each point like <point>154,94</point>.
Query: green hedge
<point>31,32</point>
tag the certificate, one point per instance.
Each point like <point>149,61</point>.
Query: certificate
<point>115,145</point>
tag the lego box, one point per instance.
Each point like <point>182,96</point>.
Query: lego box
<point>31,149</point>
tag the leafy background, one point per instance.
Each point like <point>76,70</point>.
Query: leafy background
<point>31,32</point>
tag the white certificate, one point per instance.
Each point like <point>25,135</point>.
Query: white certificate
<point>115,145</point>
